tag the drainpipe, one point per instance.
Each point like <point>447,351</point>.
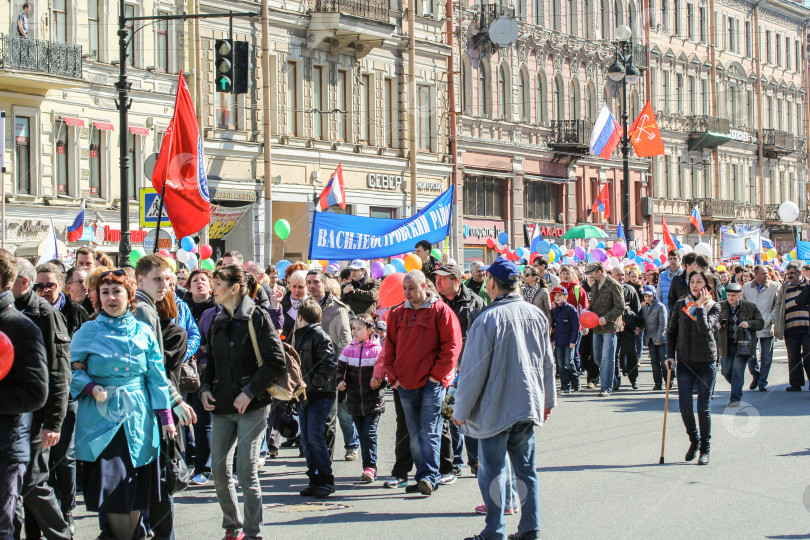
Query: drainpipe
<point>452,107</point>
<point>411,106</point>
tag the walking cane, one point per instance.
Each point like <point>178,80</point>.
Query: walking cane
<point>666,409</point>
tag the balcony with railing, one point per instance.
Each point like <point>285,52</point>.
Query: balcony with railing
<point>570,139</point>
<point>707,132</point>
<point>776,143</point>
<point>640,56</point>
<point>770,212</point>
<point>716,209</point>
<point>358,25</point>
<point>38,63</point>
<point>489,14</point>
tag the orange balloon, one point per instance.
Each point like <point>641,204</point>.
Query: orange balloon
<point>391,292</point>
<point>412,262</point>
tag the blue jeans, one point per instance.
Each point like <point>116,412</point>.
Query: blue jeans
<point>732,368</point>
<point>701,376</point>
<point>422,408</point>
<point>604,354</point>
<point>518,443</point>
<point>564,355</point>
<point>760,368</point>
<point>312,416</point>
<point>658,359</point>
<point>367,428</point>
<point>351,438</point>
<point>458,445</point>
<point>639,343</point>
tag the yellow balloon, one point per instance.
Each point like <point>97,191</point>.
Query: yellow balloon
<point>551,256</point>
<point>772,253</point>
<point>412,262</point>
<point>172,263</point>
<point>721,268</point>
<point>793,253</point>
<point>323,264</point>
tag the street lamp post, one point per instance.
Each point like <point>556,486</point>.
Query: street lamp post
<point>625,72</point>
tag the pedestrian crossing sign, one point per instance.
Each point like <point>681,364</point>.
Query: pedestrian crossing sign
<point>150,207</point>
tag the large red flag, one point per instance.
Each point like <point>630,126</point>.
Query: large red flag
<point>644,134</point>
<point>668,239</point>
<point>181,167</point>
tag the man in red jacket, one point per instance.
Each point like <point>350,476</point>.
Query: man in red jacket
<point>421,350</point>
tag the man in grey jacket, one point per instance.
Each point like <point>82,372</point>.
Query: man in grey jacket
<point>505,388</point>
<point>762,292</point>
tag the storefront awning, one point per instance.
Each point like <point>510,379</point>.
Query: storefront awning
<point>138,130</point>
<point>708,141</point>
<point>72,121</point>
<point>104,126</point>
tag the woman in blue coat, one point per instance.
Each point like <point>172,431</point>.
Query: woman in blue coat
<point>120,386</point>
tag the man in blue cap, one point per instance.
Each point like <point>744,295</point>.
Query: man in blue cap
<point>506,387</point>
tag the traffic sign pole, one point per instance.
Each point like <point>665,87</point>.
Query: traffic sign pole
<point>160,217</point>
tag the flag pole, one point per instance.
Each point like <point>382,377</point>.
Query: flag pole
<point>160,217</point>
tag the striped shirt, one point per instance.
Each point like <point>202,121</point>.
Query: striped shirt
<point>797,315</point>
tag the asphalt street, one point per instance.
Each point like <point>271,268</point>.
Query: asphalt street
<point>598,465</point>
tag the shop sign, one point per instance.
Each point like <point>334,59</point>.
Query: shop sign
<point>426,185</point>
<point>224,219</point>
<point>740,135</point>
<point>384,181</point>
<point>550,230</point>
<point>114,235</point>
<point>233,195</point>
<point>483,229</point>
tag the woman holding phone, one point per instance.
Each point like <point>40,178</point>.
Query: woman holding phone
<point>692,334</point>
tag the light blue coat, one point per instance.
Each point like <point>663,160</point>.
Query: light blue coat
<point>185,321</point>
<point>122,355</point>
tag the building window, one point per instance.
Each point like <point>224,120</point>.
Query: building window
<point>225,110</point>
<point>730,34</point>
<point>606,29</point>
<point>383,212</point>
<point>22,153</point>
<point>483,89</point>
<point>525,100</point>
<point>769,111</point>
<point>556,16</point>
<point>93,27</point>
<point>590,103</point>
<point>132,170</point>
<point>425,125</point>
<point>542,99</point>
<point>679,93</point>
<point>540,200</point>
<point>787,53</point>
<point>343,105</point>
<point>292,99</point>
<point>318,102</point>
<point>59,21</point>
<point>503,86</point>
<point>768,46</point>
<point>798,56</point>
<point>702,23</point>
<point>366,100</point>
<point>690,21</point>
<point>96,151</point>
<point>750,121</point>
<point>779,115</point>
<point>62,158</point>
<point>692,96</point>
<point>162,50</point>
<point>704,96</point>
<point>571,16</point>
<point>665,16</point>
<point>483,197</point>
<point>676,5</point>
<point>558,99</point>
<point>665,91</point>
<point>129,11</point>
<point>778,49</point>
<point>390,112</point>
<point>539,12</point>
<point>748,38</point>
<point>465,85</point>
<point>790,117</point>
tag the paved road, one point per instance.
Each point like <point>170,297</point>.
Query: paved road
<point>599,475</point>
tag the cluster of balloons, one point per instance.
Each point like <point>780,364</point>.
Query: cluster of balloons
<point>189,254</point>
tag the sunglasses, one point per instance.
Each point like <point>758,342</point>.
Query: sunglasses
<point>78,280</point>
<point>120,272</point>
<point>44,286</point>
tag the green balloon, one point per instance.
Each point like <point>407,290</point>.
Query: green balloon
<point>208,264</point>
<point>436,253</point>
<point>282,228</point>
<point>135,255</point>
<point>520,268</point>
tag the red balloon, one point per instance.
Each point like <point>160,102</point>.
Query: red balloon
<point>391,292</point>
<point>644,249</point>
<point>206,251</point>
<point>589,319</point>
<point>490,243</point>
<point>165,253</point>
<point>609,253</point>
<point>6,355</point>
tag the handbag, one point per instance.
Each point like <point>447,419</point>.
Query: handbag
<point>744,346</point>
<point>178,476</point>
<point>189,376</point>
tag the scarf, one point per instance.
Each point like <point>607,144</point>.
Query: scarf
<point>690,305</point>
<point>294,305</point>
<point>530,292</point>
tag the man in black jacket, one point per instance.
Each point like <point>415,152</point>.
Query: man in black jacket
<point>362,292</point>
<point>77,292</point>
<point>627,358</point>
<point>429,262</point>
<point>24,390</point>
<point>41,506</point>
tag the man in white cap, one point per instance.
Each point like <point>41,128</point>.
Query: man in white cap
<point>362,292</point>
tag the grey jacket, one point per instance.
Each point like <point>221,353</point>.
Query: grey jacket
<point>505,380</point>
<point>335,320</point>
<point>765,301</point>
<point>146,312</point>
<point>654,322</point>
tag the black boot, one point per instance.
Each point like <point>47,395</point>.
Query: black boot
<point>693,447</point>
<point>326,486</point>
<point>312,489</point>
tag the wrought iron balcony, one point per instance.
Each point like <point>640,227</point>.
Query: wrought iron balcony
<point>718,209</point>
<point>770,212</point>
<point>41,56</point>
<point>490,12</point>
<point>776,143</point>
<point>570,133</point>
<point>375,10</point>
<point>707,132</point>
<point>640,56</point>
<point>709,124</point>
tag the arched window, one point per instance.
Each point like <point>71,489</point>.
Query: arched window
<point>632,18</point>
<point>558,99</point>
<point>556,15</point>
<point>542,99</point>
<point>525,105</point>
<point>618,13</point>
<point>465,94</point>
<point>607,97</point>
<point>588,18</point>
<point>605,23</point>
<point>591,105</point>
<point>484,88</point>
<point>574,111</point>
<point>571,17</point>
<point>503,93</point>
<point>634,104</point>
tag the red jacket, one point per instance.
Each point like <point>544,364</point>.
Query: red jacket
<point>582,303</point>
<point>422,343</point>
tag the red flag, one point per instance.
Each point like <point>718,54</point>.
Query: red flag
<point>644,134</point>
<point>602,203</point>
<point>181,166</point>
<point>668,240</point>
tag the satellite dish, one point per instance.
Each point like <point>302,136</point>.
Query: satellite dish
<point>149,166</point>
<point>503,31</point>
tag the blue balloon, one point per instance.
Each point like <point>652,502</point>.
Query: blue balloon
<point>520,253</point>
<point>568,260</point>
<point>543,247</point>
<point>389,269</point>
<point>638,259</point>
<point>535,243</point>
<point>557,251</point>
<point>192,261</point>
<point>187,243</point>
<point>281,266</point>
<point>600,244</point>
<point>503,239</point>
<point>631,254</point>
<point>590,257</point>
<point>398,264</point>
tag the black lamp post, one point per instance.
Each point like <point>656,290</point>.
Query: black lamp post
<point>622,70</point>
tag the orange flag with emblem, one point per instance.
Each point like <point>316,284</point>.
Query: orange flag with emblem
<point>644,134</point>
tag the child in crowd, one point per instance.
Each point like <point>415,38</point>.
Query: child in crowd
<point>565,328</point>
<point>366,402</point>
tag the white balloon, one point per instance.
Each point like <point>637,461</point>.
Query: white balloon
<point>788,211</point>
<point>592,243</point>
<point>703,249</point>
<point>192,261</point>
<point>182,255</point>
<point>614,261</point>
<point>683,251</point>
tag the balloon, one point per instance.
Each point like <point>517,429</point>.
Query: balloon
<point>172,264</point>
<point>208,264</point>
<point>192,261</point>
<point>490,243</point>
<point>187,243</point>
<point>543,247</point>
<point>389,269</point>
<point>136,255</point>
<point>599,255</point>
<point>6,355</point>
<point>519,252</point>
<point>194,250</point>
<point>413,262</point>
<point>323,263</point>
<point>631,254</point>
<point>639,259</point>
<point>398,265</point>
<point>206,251</point>
<point>579,253</point>
<point>721,268</point>
<point>503,239</point>
<point>436,254</point>
<point>282,228</point>
<point>703,249</point>
<point>619,248</point>
<point>649,266</point>
<point>391,292</point>
<point>589,319</point>
<point>551,256</point>
<point>600,244</point>
<point>570,253</point>
<point>788,211</point>
<point>593,243</point>
<point>377,269</point>
<point>165,253</point>
<point>281,266</point>
<point>772,254</point>
<point>609,252</point>
<point>182,255</point>
<point>568,260</point>
<point>793,253</point>
<point>613,261</point>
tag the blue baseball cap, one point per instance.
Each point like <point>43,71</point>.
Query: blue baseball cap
<point>503,269</point>
<point>649,289</point>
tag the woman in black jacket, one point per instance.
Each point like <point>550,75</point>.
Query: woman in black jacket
<point>692,334</point>
<point>234,387</point>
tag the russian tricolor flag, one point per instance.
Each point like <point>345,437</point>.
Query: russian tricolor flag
<point>606,134</point>
<point>76,229</point>
<point>335,192</point>
<point>696,221</point>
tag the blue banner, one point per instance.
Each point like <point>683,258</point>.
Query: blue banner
<point>339,236</point>
<point>803,250</point>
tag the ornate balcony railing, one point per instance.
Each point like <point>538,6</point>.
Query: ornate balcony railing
<point>707,124</point>
<point>41,56</point>
<point>490,12</point>
<point>570,132</point>
<point>779,139</point>
<point>716,208</point>
<point>375,10</point>
<point>770,212</point>
<point>640,56</point>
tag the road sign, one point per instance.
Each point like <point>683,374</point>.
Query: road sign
<point>149,166</point>
<point>165,241</point>
<point>149,208</point>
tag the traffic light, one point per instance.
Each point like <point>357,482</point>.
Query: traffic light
<point>223,80</point>
<point>243,68</point>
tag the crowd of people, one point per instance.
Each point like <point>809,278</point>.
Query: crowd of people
<point>118,370</point>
